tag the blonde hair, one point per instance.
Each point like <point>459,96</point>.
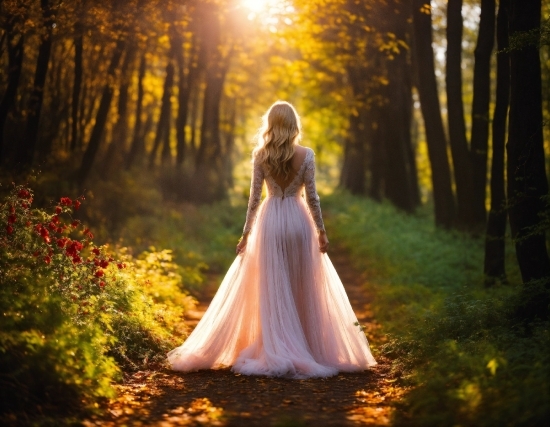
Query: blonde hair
<point>277,138</point>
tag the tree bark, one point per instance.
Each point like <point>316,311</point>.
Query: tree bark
<point>137,148</point>
<point>527,181</point>
<point>101,116</point>
<point>431,111</point>
<point>480,112</point>
<point>208,163</point>
<point>401,184</point>
<point>27,149</point>
<point>455,108</point>
<point>117,145</point>
<point>15,61</point>
<point>494,267</point>
<point>163,124</point>
<point>77,87</point>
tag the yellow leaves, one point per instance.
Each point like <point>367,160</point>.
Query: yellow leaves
<point>494,364</point>
<point>426,9</point>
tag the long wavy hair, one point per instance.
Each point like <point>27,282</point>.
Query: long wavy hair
<point>277,138</point>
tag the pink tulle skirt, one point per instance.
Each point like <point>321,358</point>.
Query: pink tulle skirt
<point>281,309</point>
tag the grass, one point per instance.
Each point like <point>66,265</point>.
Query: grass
<point>450,338</point>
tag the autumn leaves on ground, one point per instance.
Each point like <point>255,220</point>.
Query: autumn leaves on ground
<point>222,398</point>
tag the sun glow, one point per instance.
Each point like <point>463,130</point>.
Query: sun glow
<point>256,5</point>
<point>270,13</point>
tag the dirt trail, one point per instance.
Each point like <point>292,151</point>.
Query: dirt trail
<point>222,398</point>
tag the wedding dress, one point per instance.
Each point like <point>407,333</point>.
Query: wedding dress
<point>281,309</point>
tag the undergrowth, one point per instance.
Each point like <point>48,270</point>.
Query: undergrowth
<point>74,315</point>
<point>453,341</point>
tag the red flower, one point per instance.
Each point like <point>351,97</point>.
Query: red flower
<point>25,206</point>
<point>58,209</point>
<point>47,259</point>
<point>36,253</point>
<point>47,239</point>
<point>104,263</point>
<point>55,219</point>
<point>65,201</point>
<point>121,265</point>
<point>102,284</point>
<point>73,248</point>
<point>12,210</point>
<point>99,273</point>
<point>9,229</point>
<point>59,230</point>
<point>77,259</point>
<point>23,194</point>
<point>62,242</point>
<point>95,251</point>
<point>12,218</point>
<point>76,204</point>
<point>52,226</point>
<point>75,223</point>
<point>88,233</point>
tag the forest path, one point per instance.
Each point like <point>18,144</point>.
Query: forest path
<point>222,398</point>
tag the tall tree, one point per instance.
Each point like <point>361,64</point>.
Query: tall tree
<point>480,111</point>
<point>26,151</point>
<point>401,181</point>
<point>15,46</point>
<point>77,82</point>
<point>208,165</point>
<point>455,115</point>
<point>496,224</point>
<point>431,111</point>
<point>527,181</point>
<point>163,125</point>
<point>137,147</point>
<point>101,116</point>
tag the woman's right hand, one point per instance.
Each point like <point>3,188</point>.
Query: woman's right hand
<point>323,241</point>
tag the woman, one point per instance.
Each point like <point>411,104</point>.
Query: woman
<point>281,309</point>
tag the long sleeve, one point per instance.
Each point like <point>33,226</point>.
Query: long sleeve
<point>312,198</point>
<point>255,196</point>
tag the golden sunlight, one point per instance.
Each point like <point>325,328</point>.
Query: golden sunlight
<point>256,5</point>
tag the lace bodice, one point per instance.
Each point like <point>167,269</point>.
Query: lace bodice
<point>304,179</point>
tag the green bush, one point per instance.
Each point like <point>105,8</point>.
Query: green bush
<point>450,338</point>
<point>72,315</point>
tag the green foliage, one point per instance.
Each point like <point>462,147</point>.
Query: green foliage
<point>450,338</point>
<point>72,315</point>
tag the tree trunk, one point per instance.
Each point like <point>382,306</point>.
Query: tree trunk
<point>401,186</point>
<point>480,111</point>
<point>527,182</point>
<point>101,116</point>
<point>496,225</point>
<point>431,111</point>
<point>455,107</point>
<point>117,145</point>
<point>353,170</point>
<point>15,60</point>
<point>165,110</point>
<point>27,149</point>
<point>137,147</point>
<point>208,163</point>
<point>184,92</point>
<point>77,85</point>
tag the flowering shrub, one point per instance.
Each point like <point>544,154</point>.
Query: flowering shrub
<point>73,315</point>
